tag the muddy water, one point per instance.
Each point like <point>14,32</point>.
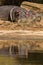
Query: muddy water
<point>7,59</point>
<point>33,59</point>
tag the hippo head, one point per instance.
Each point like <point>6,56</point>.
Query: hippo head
<point>17,13</point>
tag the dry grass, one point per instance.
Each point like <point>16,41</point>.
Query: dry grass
<point>7,25</point>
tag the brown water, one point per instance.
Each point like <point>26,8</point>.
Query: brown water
<point>7,59</point>
<point>33,59</point>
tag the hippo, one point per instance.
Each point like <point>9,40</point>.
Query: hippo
<point>12,13</point>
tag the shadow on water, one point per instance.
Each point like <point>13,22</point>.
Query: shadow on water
<point>33,59</point>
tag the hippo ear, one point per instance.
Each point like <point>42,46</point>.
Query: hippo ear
<point>12,18</point>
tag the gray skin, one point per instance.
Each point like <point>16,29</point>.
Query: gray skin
<point>12,13</point>
<point>4,12</point>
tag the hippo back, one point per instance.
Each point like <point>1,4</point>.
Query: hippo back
<point>4,12</point>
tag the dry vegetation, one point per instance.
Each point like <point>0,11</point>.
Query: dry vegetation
<point>7,25</point>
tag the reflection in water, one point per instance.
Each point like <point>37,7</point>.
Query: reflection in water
<point>33,58</point>
<point>8,60</point>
